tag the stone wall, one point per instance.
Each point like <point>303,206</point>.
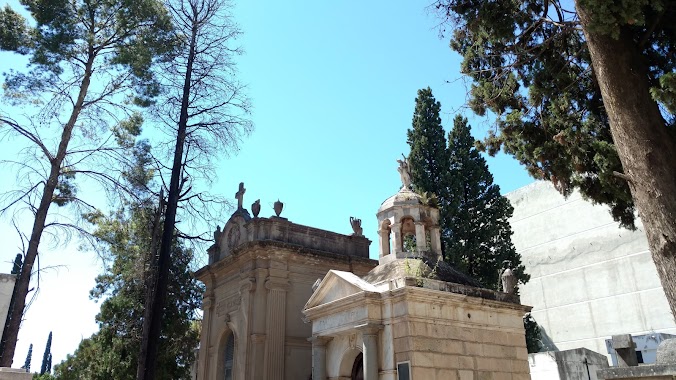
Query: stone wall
<point>590,279</point>
<point>6,289</point>
<point>448,336</point>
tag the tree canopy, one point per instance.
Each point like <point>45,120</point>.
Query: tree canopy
<point>128,238</point>
<point>89,67</point>
<point>583,95</point>
<point>476,235</point>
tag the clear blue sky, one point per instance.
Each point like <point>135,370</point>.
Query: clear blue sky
<point>333,87</point>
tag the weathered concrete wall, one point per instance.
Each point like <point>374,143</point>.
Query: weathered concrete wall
<point>590,279</point>
<point>6,288</point>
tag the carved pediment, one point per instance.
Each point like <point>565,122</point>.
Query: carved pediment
<point>337,285</point>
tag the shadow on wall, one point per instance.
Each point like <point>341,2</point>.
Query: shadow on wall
<point>547,343</point>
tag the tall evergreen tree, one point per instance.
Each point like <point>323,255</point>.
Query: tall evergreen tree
<point>479,234</point>
<point>584,95</point>
<point>85,59</point>
<point>29,357</point>
<point>47,357</point>
<point>428,159</point>
<point>476,235</point>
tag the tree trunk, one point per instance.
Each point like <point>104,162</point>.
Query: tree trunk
<point>154,308</point>
<point>21,287</point>
<point>646,149</point>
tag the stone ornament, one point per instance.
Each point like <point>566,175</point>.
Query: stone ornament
<point>278,207</point>
<point>240,196</point>
<point>233,236</point>
<point>508,278</point>
<point>356,226</point>
<point>217,234</point>
<point>256,208</point>
<point>404,172</point>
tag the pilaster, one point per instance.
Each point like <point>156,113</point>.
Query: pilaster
<point>276,328</point>
<point>319,357</point>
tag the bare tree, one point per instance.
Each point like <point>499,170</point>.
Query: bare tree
<point>206,111</point>
<point>89,68</point>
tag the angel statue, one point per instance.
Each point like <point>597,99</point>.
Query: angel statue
<point>404,172</point>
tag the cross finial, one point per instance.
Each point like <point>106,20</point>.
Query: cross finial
<point>240,195</point>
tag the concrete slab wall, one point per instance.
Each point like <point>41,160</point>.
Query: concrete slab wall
<point>6,288</point>
<point>590,278</point>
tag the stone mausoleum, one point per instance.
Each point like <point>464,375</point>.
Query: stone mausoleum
<point>287,301</point>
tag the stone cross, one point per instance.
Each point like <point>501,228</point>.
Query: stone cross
<point>240,195</point>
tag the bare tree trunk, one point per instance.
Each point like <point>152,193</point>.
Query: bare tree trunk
<point>646,149</point>
<point>21,287</point>
<point>154,308</point>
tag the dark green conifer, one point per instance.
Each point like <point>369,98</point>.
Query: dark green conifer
<point>29,357</point>
<point>47,357</point>
<point>478,237</point>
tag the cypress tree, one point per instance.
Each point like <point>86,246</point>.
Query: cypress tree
<point>428,159</point>
<point>475,231</point>
<point>47,356</point>
<point>29,356</point>
<point>478,235</point>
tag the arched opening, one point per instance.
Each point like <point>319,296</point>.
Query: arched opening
<point>358,368</point>
<point>349,364</point>
<point>228,356</point>
<point>408,235</point>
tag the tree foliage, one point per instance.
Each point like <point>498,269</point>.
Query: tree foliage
<point>476,235</point>
<point>533,334</point>
<point>205,111</point>
<point>531,69</point>
<point>583,96</point>
<point>129,236</point>
<point>46,366</point>
<point>89,66</point>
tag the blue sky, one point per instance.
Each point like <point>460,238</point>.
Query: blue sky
<point>333,86</point>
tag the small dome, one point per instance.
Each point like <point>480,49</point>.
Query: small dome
<point>403,197</point>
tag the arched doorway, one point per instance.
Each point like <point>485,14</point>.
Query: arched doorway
<point>358,368</point>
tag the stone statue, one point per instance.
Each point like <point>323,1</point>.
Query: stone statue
<point>240,195</point>
<point>508,278</point>
<point>404,172</point>
<point>356,226</point>
<point>278,207</point>
<point>217,235</point>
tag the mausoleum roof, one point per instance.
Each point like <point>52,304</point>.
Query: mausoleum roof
<point>404,197</point>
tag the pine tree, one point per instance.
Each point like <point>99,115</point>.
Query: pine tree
<point>479,234</point>
<point>47,357</point>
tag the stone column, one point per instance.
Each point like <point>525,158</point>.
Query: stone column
<point>384,240</point>
<point>370,349</point>
<point>257,315</point>
<point>319,357</point>
<point>276,328</point>
<point>435,240</point>
<point>397,241</point>
<point>420,238</point>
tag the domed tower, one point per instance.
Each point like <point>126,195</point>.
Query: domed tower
<point>408,224</point>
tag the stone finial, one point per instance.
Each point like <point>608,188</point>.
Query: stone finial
<point>356,226</point>
<point>508,278</point>
<point>240,196</point>
<point>217,235</point>
<point>256,208</point>
<point>278,207</point>
<point>405,173</point>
